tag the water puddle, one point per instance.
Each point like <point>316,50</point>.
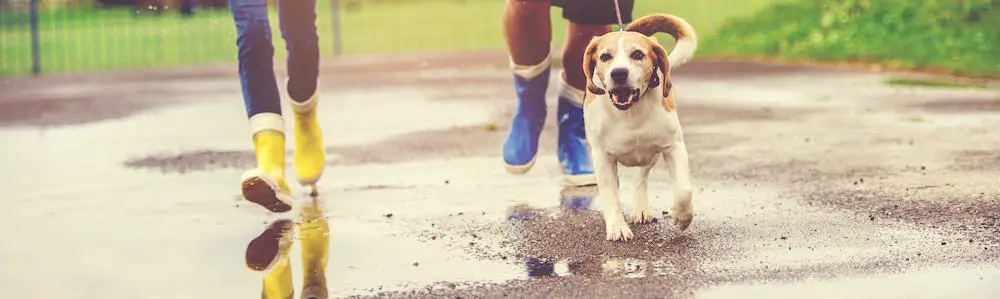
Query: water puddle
<point>934,283</point>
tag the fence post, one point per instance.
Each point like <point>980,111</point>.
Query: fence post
<point>335,8</point>
<point>36,65</point>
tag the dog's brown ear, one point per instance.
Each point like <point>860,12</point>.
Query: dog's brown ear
<point>662,64</point>
<point>590,63</point>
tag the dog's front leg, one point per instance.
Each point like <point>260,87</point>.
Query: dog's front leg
<point>606,170</point>
<point>677,160</point>
<point>640,212</point>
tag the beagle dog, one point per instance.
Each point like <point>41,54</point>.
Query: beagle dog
<point>631,117</point>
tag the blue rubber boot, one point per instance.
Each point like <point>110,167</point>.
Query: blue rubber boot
<point>521,146</point>
<point>574,152</point>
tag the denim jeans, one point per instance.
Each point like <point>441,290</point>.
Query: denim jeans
<point>297,20</point>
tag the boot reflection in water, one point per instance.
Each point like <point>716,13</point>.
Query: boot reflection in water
<point>269,253</point>
<point>315,237</point>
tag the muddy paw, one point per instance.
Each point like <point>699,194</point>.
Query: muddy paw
<point>682,223</point>
<point>683,214</point>
<point>641,217</point>
<point>619,232</point>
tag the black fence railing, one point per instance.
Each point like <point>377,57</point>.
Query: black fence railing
<point>68,36</point>
<point>59,36</point>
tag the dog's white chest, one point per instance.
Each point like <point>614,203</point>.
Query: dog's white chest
<point>633,142</point>
<point>634,149</point>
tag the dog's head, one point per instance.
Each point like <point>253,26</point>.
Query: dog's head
<point>625,66</point>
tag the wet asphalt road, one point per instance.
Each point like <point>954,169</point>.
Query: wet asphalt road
<point>809,183</point>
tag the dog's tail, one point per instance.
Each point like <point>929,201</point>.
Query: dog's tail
<point>681,30</point>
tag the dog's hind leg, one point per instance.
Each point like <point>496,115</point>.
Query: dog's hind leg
<point>677,162</point>
<point>606,170</point>
<point>640,212</point>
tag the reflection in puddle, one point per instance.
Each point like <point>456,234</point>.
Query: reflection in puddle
<point>573,199</point>
<point>542,268</point>
<point>608,268</point>
<point>269,252</point>
<point>521,213</point>
<point>577,199</point>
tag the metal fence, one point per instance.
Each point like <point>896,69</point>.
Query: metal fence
<point>64,36</point>
<point>69,36</point>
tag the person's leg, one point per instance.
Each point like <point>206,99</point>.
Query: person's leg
<point>587,19</point>
<point>528,32</point>
<point>298,28</point>
<point>264,185</point>
<point>573,150</point>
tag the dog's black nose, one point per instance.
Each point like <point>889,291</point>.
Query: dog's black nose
<point>619,75</point>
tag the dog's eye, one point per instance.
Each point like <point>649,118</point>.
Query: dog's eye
<point>638,55</point>
<point>605,57</point>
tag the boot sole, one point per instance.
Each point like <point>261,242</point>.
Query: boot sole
<point>579,180</point>
<point>262,190</point>
<point>519,169</point>
<point>264,251</point>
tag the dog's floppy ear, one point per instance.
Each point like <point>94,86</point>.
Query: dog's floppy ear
<point>661,62</point>
<point>590,63</point>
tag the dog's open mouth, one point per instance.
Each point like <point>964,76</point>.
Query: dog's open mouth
<point>624,97</point>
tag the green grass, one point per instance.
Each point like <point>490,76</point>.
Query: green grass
<point>957,37</point>
<point>930,83</point>
<point>76,39</point>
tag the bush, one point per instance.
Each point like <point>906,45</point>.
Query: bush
<point>960,36</point>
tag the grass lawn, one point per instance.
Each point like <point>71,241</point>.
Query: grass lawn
<point>956,37</point>
<point>91,39</point>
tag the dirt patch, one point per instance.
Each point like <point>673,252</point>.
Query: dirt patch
<point>961,106</point>
<point>79,108</point>
<point>59,112</point>
<point>196,161</point>
<point>694,115</point>
<point>970,218</point>
<point>977,160</point>
<point>733,69</point>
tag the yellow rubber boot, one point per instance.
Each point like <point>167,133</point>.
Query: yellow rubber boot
<point>278,282</point>
<point>266,185</point>
<point>310,156</point>
<point>314,233</point>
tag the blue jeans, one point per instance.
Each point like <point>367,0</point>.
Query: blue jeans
<point>297,20</point>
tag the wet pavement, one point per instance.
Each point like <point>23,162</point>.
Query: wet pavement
<point>809,183</point>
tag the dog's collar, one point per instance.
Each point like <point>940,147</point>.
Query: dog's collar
<point>654,81</point>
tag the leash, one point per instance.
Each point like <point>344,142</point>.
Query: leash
<point>618,11</point>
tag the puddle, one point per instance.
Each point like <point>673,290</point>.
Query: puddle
<point>605,268</point>
<point>365,258</point>
<point>934,283</point>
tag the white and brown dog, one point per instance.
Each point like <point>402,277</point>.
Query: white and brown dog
<point>631,117</point>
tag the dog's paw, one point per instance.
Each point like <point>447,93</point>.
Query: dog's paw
<point>641,216</point>
<point>683,221</point>
<point>618,232</point>
<point>683,215</point>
